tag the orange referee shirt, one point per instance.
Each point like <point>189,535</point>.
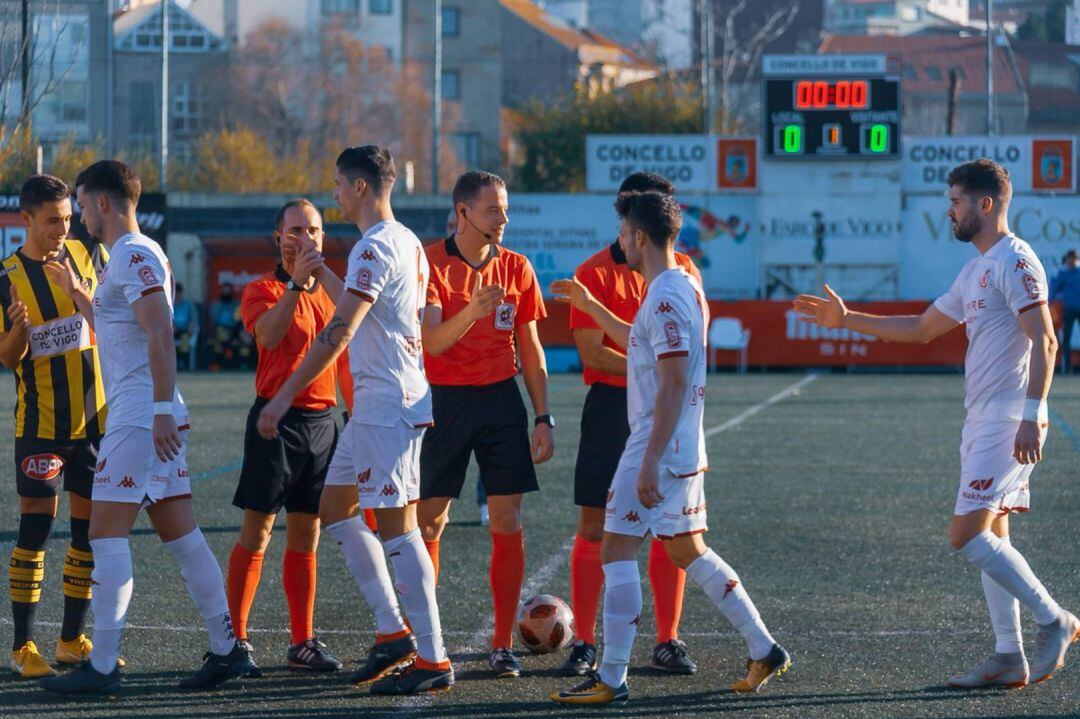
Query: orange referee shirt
<point>621,290</point>
<point>313,311</point>
<point>486,353</point>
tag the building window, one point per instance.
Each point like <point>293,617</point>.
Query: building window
<point>142,105</point>
<point>339,7</point>
<point>451,22</point>
<point>186,109</point>
<point>450,86</point>
<point>467,146</point>
<point>933,72</point>
<point>59,73</point>
<point>381,7</point>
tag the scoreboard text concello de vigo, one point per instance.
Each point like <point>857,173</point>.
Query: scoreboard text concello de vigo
<point>830,107</point>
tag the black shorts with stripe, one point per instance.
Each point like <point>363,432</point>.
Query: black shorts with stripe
<point>488,420</point>
<point>604,431</point>
<point>44,466</point>
<point>288,471</point>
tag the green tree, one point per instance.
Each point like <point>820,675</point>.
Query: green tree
<point>1047,26</point>
<point>551,138</point>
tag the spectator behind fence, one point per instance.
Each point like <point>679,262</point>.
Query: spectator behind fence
<point>1066,287</point>
<point>230,345</point>
<point>185,328</point>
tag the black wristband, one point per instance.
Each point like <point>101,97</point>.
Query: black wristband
<point>544,419</point>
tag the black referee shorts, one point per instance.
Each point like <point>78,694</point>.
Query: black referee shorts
<point>604,431</point>
<point>288,471</point>
<point>490,421</point>
<point>43,466</point>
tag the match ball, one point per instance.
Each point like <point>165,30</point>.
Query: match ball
<point>545,624</point>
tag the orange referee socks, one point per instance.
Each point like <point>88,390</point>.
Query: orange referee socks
<point>298,579</point>
<point>586,586</point>
<point>433,552</point>
<point>668,583</point>
<point>506,575</point>
<point>245,569</point>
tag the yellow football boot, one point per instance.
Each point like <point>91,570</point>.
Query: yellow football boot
<point>593,691</point>
<point>760,671</point>
<point>77,651</point>
<point>28,663</point>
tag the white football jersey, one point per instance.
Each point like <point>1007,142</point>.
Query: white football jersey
<point>137,267</point>
<point>388,268</point>
<point>672,321</point>
<point>991,291</point>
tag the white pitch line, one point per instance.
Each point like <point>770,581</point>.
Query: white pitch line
<point>748,413</point>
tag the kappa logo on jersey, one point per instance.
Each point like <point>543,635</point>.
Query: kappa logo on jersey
<point>367,256</point>
<point>136,259</point>
<point>127,483</point>
<point>985,279</point>
<point>42,466</point>
<point>146,274</point>
<point>364,477</point>
<point>981,484</point>
<point>631,516</point>
<point>1031,286</point>
<point>664,308</point>
<point>671,331</point>
<point>388,491</point>
<point>504,316</point>
<point>1020,265</point>
<point>730,587</point>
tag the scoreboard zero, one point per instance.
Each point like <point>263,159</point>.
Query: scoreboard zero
<point>830,107</point>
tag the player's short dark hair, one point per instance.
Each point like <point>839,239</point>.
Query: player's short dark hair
<point>654,213</point>
<point>39,189</point>
<point>279,222</point>
<point>982,177</point>
<point>647,182</point>
<point>468,186</point>
<point>371,163</point>
<point>112,177</point>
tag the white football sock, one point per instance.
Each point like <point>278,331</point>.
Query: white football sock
<point>1010,570</point>
<point>367,564</point>
<point>722,584</point>
<point>415,584</point>
<point>1004,615</point>
<point>112,594</point>
<point>622,614</point>
<point>202,577</point>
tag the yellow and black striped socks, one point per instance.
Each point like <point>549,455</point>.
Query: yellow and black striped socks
<point>78,566</point>
<point>25,574</point>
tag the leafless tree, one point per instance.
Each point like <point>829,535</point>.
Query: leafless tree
<point>48,74</point>
<point>736,61</point>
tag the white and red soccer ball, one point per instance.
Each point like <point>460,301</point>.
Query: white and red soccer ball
<point>545,624</point>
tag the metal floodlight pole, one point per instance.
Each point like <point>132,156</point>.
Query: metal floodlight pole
<point>164,158</point>
<point>25,61</point>
<point>436,99</point>
<point>989,68</point>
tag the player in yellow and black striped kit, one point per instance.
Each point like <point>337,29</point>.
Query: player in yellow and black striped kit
<point>59,414</point>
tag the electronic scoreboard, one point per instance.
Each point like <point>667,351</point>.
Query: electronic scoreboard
<point>830,107</point>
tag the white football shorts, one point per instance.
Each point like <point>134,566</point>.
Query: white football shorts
<point>128,469</point>
<point>990,477</point>
<point>382,462</point>
<point>682,511</point>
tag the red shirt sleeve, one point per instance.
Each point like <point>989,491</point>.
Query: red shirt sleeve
<point>258,297</point>
<point>434,289</point>
<point>532,300</point>
<point>590,277</point>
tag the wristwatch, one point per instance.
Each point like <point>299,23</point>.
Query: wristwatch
<point>544,419</point>
<point>292,286</point>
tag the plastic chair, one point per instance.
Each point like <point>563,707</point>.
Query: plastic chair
<point>727,333</point>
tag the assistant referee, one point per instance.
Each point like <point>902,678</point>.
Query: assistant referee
<point>285,310</point>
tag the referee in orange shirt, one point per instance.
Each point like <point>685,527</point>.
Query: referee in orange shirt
<point>284,310</point>
<point>482,306</point>
<point>604,430</point>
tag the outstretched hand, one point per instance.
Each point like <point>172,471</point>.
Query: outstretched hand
<point>828,311</point>
<point>572,292</point>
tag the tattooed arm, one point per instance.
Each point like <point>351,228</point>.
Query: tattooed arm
<point>351,310</point>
